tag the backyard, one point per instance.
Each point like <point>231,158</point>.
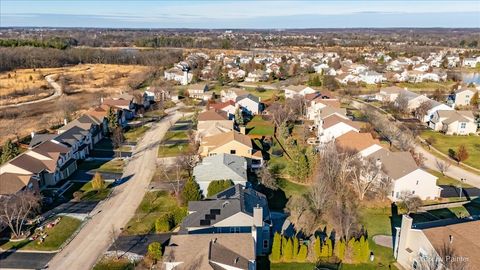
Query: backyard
<point>259,126</point>
<point>445,142</point>
<point>56,236</point>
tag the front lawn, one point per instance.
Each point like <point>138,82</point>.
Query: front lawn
<point>90,194</point>
<point>56,236</point>
<point>172,150</point>
<point>111,166</point>
<point>134,134</point>
<point>113,264</point>
<point>447,181</point>
<point>263,95</point>
<point>176,135</point>
<point>445,142</point>
<point>376,220</point>
<point>154,205</point>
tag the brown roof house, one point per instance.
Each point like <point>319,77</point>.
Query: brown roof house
<point>405,176</point>
<point>334,126</point>
<point>363,143</point>
<point>199,91</point>
<point>451,242</point>
<point>11,183</point>
<point>213,122</point>
<point>234,143</point>
<point>210,252</point>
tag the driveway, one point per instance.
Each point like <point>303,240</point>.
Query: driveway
<point>114,213</point>
<point>138,244</point>
<point>24,260</point>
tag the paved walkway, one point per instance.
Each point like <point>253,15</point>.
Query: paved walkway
<point>58,92</point>
<point>383,240</point>
<point>112,215</point>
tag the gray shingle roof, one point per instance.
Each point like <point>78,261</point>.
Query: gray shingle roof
<point>221,166</point>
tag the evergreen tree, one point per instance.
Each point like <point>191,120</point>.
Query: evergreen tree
<point>155,250</point>
<point>239,117</point>
<point>474,100</point>
<point>365,249</point>
<point>340,249</point>
<point>276,248</point>
<point>357,252</point>
<point>349,249</point>
<point>288,252</point>
<point>295,248</point>
<point>9,151</point>
<point>112,119</point>
<point>329,247</point>
<point>317,247</point>
<point>302,253</point>
<point>191,191</point>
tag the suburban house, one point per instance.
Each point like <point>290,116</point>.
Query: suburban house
<point>234,143</point>
<point>363,143</point>
<point>235,210</point>
<point>315,103</point>
<point>236,74</point>
<point>249,103</point>
<point>389,94</point>
<point>371,77</point>
<point>231,94</point>
<point>414,100</point>
<point>88,123</point>
<point>406,177</point>
<point>334,126</point>
<point>420,242</point>
<point>461,97</point>
<point>100,113</point>
<point>220,167</point>
<point>228,107</point>
<point>453,122</point>
<point>177,74</point>
<point>213,122</point>
<point>11,183</point>
<point>434,106</point>
<point>125,108</point>
<point>210,252</point>
<point>257,76</point>
<point>297,90</point>
<point>199,91</point>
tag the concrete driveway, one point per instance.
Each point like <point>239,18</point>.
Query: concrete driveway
<point>24,260</point>
<point>114,213</point>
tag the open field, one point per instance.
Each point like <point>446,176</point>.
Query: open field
<point>445,142</point>
<point>24,85</point>
<point>84,85</point>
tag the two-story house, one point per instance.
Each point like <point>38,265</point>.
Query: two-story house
<point>249,103</point>
<point>199,91</point>
<point>453,122</point>
<point>297,90</point>
<point>213,122</point>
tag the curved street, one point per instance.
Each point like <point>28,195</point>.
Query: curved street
<point>113,214</point>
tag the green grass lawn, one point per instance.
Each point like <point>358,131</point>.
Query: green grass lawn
<point>90,194</point>
<point>134,134</point>
<point>445,180</point>
<point>154,205</point>
<point>112,166</point>
<point>290,266</point>
<point>376,220</point>
<point>427,85</point>
<point>291,188</point>
<point>176,135</point>
<point>155,113</point>
<point>112,264</point>
<point>445,142</point>
<point>267,94</point>
<point>172,150</point>
<point>56,236</point>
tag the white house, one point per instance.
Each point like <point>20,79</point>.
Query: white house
<point>297,90</point>
<point>389,94</point>
<point>333,127</point>
<point>236,74</point>
<point>462,97</point>
<point>434,107</point>
<point>371,77</point>
<point>257,76</point>
<point>471,62</point>
<point>453,122</point>
<point>199,91</point>
<point>363,143</point>
<point>249,103</point>
<point>178,75</point>
<point>405,176</point>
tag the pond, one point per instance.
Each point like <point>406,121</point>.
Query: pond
<point>471,77</point>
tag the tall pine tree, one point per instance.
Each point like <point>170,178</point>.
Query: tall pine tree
<point>275,256</point>
<point>9,151</point>
<point>295,248</point>
<point>302,253</point>
<point>191,191</point>
<point>288,251</point>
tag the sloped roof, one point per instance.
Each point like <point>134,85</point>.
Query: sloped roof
<point>249,96</point>
<point>335,119</point>
<point>11,183</point>
<point>223,138</point>
<point>465,240</point>
<point>220,106</point>
<point>356,141</point>
<point>212,115</point>
<point>117,102</point>
<point>71,136</point>
<point>296,88</point>
<point>221,166</point>
<point>395,164</point>
<point>200,251</point>
<point>32,164</point>
<point>330,110</point>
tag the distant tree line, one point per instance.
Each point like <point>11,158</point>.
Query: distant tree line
<point>53,42</point>
<point>32,57</point>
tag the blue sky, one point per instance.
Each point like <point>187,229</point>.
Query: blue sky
<point>239,14</point>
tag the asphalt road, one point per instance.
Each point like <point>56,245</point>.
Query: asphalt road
<point>114,213</point>
<point>24,260</point>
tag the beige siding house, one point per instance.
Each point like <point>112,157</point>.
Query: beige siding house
<point>454,122</point>
<point>463,96</point>
<point>213,122</point>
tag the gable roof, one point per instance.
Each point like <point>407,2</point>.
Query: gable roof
<point>212,115</point>
<point>221,166</point>
<point>222,105</point>
<point>201,251</point>
<point>84,122</point>
<point>249,96</point>
<point>395,164</point>
<point>296,88</point>
<point>119,103</point>
<point>236,199</point>
<point>465,240</point>
<point>356,141</point>
<point>32,164</point>
<point>335,119</point>
<point>330,110</point>
<point>11,183</point>
<point>224,138</point>
<point>71,136</point>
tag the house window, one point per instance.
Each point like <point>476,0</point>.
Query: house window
<point>233,152</point>
<point>396,195</point>
<point>265,244</point>
<point>415,265</point>
<point>417,182</point>
<point>413,192</point>
<point>463,125</point>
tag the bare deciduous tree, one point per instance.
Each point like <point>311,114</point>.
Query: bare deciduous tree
<point>442,166</point>
<point>411,202</point>
<point>366,175</point>
<point>301,215</point>
<point>267,179</point>
<point>422,110</point>
<point>16,209</point>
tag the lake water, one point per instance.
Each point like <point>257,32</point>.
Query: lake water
<point>471,77</point>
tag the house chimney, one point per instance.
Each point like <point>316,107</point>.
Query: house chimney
<point>451,238</point>
<point>65,121</point>
<point>257,216</point>
<point>101,100</point>
<point>32,134</point>
<point>243,130</point>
